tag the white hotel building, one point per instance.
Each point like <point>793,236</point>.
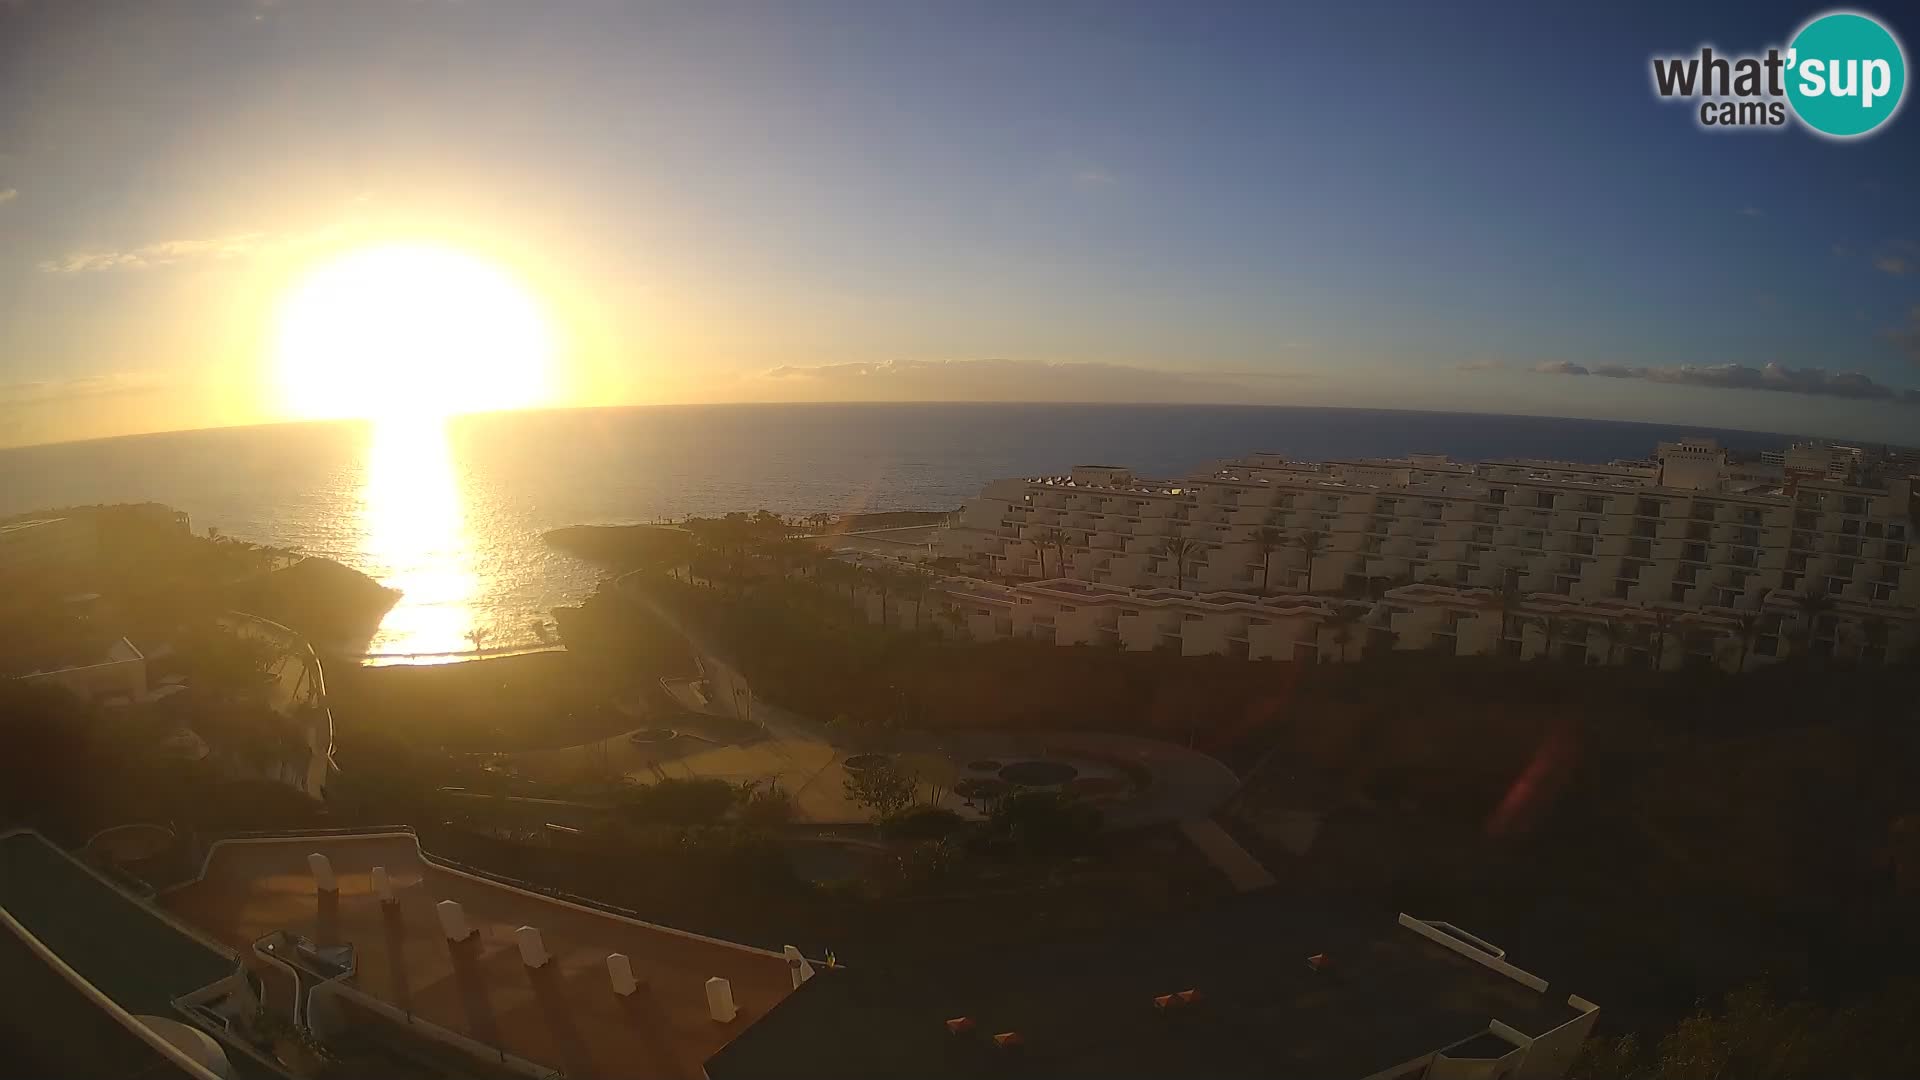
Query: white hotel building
<point>1618,561</point>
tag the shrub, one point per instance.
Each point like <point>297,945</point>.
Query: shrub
<point>1046,822</point>
<point>680,802</point>
<point>922,823</point>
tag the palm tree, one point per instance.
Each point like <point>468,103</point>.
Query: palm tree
<point>1511,601</point>
<point>1556,626</point>
<point>1267,540</point>
<point>1614,633</point>
<point>1179,548</point>
<point>1309,541</point>
<point>1344,618</point>
<point>1662,622</point>
<point>1811,604</point>
<point>1873,635</point>
<point>1042,540</point>
<point>1746,627</point>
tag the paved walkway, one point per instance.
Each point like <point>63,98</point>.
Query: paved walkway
<point>1184,783</point>
<point>1226,854</point>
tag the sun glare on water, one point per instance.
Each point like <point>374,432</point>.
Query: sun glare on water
<point>411,332</point>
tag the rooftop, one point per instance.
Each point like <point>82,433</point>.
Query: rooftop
<point>563,1015</point>
<point>1087,1008</point>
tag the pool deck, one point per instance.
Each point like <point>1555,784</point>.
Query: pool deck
<point>563,1015</point>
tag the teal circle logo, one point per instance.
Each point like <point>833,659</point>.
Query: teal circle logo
<point>1846,74</point>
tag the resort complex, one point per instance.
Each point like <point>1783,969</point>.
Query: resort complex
<point>412,966</point>
<point>1688,557</point>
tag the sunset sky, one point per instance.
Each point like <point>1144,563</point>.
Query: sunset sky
<point>1388,205</point>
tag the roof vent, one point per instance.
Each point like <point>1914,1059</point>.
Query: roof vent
<point>620,974</point>
<point>1319,962</point>
<point>1189,997</point>
<point>383,885</point>
<point>533,951</point>
<point>1166,1001</point>
<point>322,868</point>
<point>453,920</point>
<point>1008,1040</point>
<point>960,1025</point>
<point>720,1004</point>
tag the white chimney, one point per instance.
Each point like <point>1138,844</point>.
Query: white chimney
<point>382,885</point>
<point>323,879</point>
<point>532,949</point>
<point>797,966</point>
<point>453,920</point>
<point>720,1004</point>
<point>620,971</point>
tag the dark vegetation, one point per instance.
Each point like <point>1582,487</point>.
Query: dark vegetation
<point>1654,841</point>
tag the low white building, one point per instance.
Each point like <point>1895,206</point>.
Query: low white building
<point>1686,530</point>
<point>1437,618</point>
<point>121,672</point>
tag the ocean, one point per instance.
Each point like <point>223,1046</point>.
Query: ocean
<point>452,515</point>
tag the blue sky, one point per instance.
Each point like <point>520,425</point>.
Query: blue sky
<point>1367,204</point>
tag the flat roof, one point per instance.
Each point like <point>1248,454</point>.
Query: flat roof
<point>120,946</point>
<point>563,1015</point>
<point>17,526</point>
<point>1086,1007</point>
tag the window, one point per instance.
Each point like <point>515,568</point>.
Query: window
<point>1699,530</point>
<point>1686,573</point>
<point>1532,539</point>
<point>1896,530</point>
<point>1694,553</point>
<point>1497,496</point>
<point>1544,500</point>
<point>1703,511</point>
<point>1843,568</point>
<point>1893,552</point>
<point>1594,504</point>
<point>1748,537</point>
<point>1853,504</point>
<point>1647,508</point>
<point>1583,545</point>
<point>1678,594</point>
<point>1620,589</point>
<point>1640,549</point>
<point>1643,527</point>
<point>1849,528</point>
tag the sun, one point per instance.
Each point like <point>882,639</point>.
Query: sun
<point>410,331</point>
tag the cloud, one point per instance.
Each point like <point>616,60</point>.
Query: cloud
<point>1482,364</point>
<point>1897,265</point>
<point>7,195</point>
<point>1009,380</point>
<point>1094,178</point>
<point>1812,381</point>
<point>37,392</point>
<point>163,253</point>
<point>1907,338</point>
<point>1559,367</point>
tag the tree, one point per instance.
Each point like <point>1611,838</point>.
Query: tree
<point>1042,540</point>
<point>1267,540</point>
<point>1874,632</point>
<point>1179,549</point>
<point>1809,607</point>
<point>1344,618</point>
<point>1310,541</point>
<point>1663,621</point>
<point>1746,627</point>
<point>1511,601</point>
<point>1556,627</point>
<point>882,789</point>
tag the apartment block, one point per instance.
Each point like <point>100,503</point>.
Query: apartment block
<point>1684,529</point>
<point>1097,555</point>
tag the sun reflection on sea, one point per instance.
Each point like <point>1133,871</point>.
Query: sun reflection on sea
<point>414,531</point>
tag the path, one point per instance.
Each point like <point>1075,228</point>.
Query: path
<point>1226,854</point>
